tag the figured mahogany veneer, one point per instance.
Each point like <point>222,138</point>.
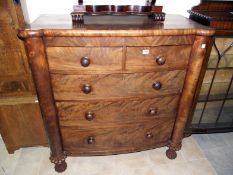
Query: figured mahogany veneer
<point>159,58</point>
<point>69,58</point>
<point>104,86</point>
<point>108,87</point>
<point>116,111</point>
<point>119,41</point>
<point>119,138</point>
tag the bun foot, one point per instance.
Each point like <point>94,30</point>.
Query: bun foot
<point>60,167</point>
<point>59,161</point>
<point>171,154</point>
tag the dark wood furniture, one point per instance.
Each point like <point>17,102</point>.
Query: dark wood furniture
<point>149,9</point>
<point>212,110</point>
<point>21,124</point>
<point>115,84</point>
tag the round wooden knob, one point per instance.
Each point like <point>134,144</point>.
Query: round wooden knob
<point>160,60</point>
<point>157,85</point>
<point>91,140</point>
<point>85,61</point>
<point>89,116</point>
<point>153,111</point>
<point>86,88</point>
<point>149,135</point>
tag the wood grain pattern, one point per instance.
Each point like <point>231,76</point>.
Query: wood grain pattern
<point>107,86</point>
<point>84,41</point>
<point>21,125</point>
<point>214,6</point>
<point>40,70</point>
<point>13,60</point>
<point>119,100</point>
<point>14,86</point>
<point>215,14</point>
<point>126,138</point>
<point>120,111</point>
<point>175,56</point>
<point>113,26</point>
<point>224,25</point>
<point>191,81</point>
<point>68,58</point>
<point>159,40</point>
<point>118,41</point>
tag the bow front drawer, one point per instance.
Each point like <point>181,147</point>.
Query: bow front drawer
<point>105,86</point>
<point>101,113</point>
<point>116,139</point>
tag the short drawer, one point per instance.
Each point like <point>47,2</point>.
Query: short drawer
<point>84,58</point>
<point>99,113</point>
<point>107,86</point>
<point>155,58</point>
<point>117,139</point>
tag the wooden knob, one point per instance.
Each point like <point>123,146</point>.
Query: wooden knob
<point>157,85</point>
<point>153,111</point>
<point>86,88</point>
<point>85,61</point>
<point>91,140</point>
<point>149,135</point>
<point>160,60</point>
<point>89,116</point>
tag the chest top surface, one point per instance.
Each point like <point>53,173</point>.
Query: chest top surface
<point>61,25</point>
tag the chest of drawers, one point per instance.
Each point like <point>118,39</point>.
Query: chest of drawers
<point>109,87</point>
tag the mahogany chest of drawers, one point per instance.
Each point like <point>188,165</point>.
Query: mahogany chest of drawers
<point>115,84</point>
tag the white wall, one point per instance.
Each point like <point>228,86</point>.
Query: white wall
<point>32,8</point>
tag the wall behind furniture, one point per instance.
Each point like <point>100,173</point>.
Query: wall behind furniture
<point>32,8</point>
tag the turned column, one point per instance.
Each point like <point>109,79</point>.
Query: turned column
<point>40,71</point>
<point>197,57</point>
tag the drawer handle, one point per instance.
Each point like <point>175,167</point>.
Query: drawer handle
<point>89,116</point>
<point>91,140</point>
<point>153,111</point>
<point>86,88</point>
<point>157,85</point>
<point>160,60</point>
<point>149,135</point>
<point>85,61</point>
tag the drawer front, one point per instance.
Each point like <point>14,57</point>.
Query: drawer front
<point>116,139</point>
<point>119,41</point>
<point>155,58</point>
<point>84,58</point>
<point>105,86</point>
<point>83,41</point>
<point>99,113</point>
<point>159,40</point>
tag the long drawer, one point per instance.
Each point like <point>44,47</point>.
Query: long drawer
<point>118,41</point>
<point>105,86</point>
<point>99,113</point>
<point>117,139</point>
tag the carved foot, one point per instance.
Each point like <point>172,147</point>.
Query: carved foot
<point>171,153</point>
<point>172,148</point>
<point>59,161</point>
<point>60,167</point>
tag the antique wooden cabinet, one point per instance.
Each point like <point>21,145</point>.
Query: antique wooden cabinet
<point>212,110</point>
<point>20,118</point>
<point>115,84</point>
